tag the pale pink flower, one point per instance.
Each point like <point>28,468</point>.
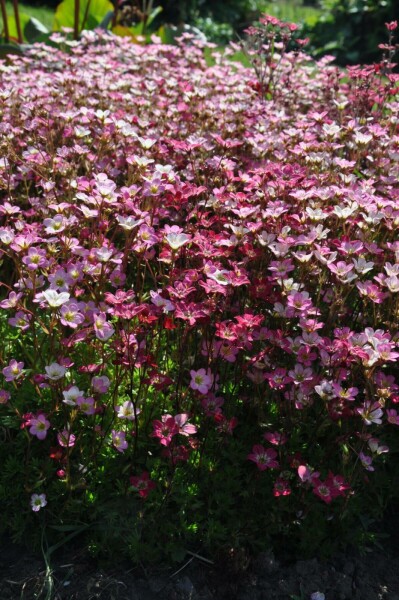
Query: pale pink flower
<point>201,380</point>
<point>39,426</point>
<point>119,441</point>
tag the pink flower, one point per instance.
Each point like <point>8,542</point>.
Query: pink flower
<point>184,427</point>
<point>337,485</point>
<point>21,320</point>
<point>366,461</point>
<point>35,258</point>
<point>100,384</point>
<point>13,371</point>
<point>225,425</point>
<point>176,453</point>
<point>212,405</point>
<point>201,381</point>
<point>276,438</point>
<point>371,413</point>
<point>86,405</point>
<point>264,458</point>
<point>300,301</point>
<point>278,378</point>
<point>119,441</point>
<point>142,484</point>
<point>39,426</point>
<point>4,396</point>
<point>306,474</point>
<point>102,328</point>
<point>66,439</point>
<point>70,315</point>
<point>392,416</point>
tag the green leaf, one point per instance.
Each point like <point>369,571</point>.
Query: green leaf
<point>107,20</point>
<point>167,34</point>
<point>91,14</point>
<point>153,15</point>
<point>12,25</point>
<point>122,31</point>
<point>34,30</point>
<point>6,49</point>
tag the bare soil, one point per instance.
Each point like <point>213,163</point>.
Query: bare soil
<point>75,576</point>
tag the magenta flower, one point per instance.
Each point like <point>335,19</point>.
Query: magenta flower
<point>165,429</point>
<point>264,458</point>
<point>276,438</point>
<point>39,426</point>
<point>142,484</point>
<point>281,488</point>
<point>212,405</point>
<point>323,491</point>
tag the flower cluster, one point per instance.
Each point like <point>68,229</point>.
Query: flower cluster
<point>193,278</point>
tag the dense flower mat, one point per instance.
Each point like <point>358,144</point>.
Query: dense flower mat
<point>199,301</point>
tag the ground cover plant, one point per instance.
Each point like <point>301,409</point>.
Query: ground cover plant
<point>199,297</point>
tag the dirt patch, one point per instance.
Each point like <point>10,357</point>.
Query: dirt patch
<point>371,577</point>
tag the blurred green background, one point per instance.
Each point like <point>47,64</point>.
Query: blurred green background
<point>348,29</point>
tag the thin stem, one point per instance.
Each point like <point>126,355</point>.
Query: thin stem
<point>115,16</point>
<point>86,14</point>
<point>18,22</point>
<point>76,20</point>
<point>5,20</point>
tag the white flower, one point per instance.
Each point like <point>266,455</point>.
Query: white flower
<point>126,411</point>
<point>71,395</point>
<point>55,371</point>
<point>177,240</point>
<point>54,298</point>
<point>38,501</point>
<point>221,276</point>
<point>392,283</point>
<point>128,223</point>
